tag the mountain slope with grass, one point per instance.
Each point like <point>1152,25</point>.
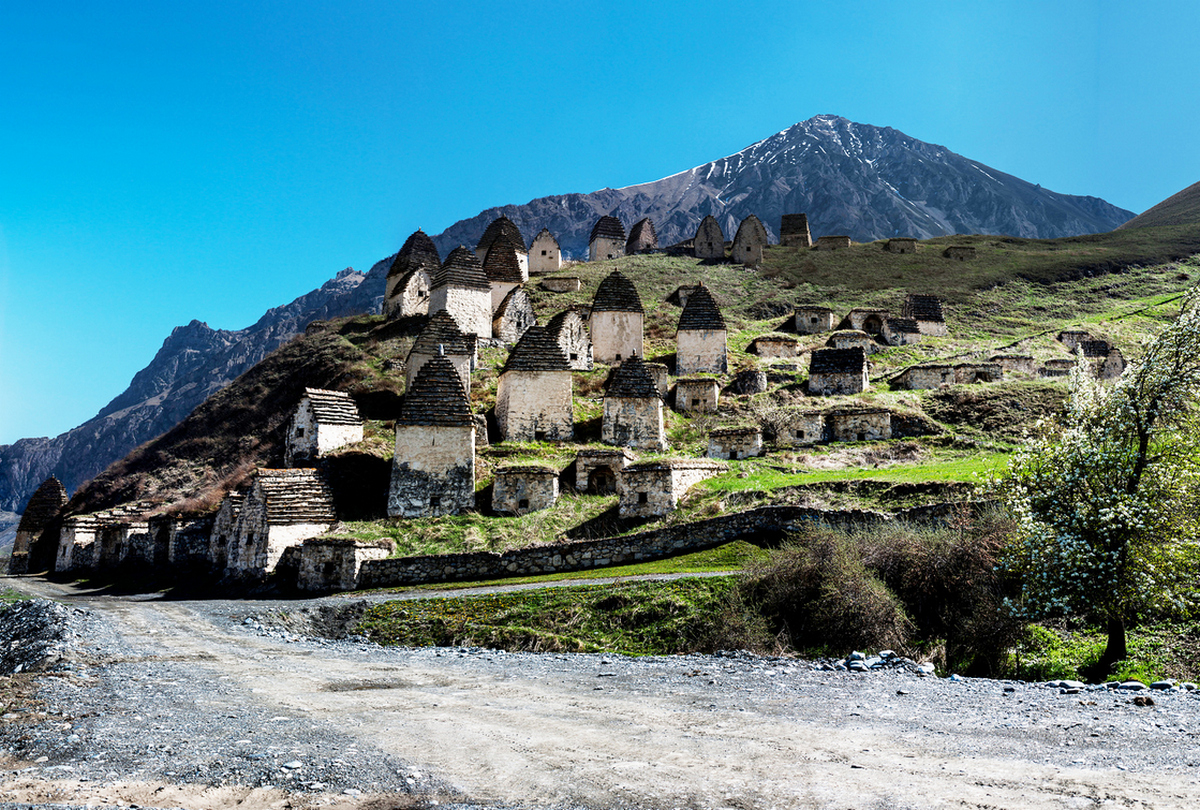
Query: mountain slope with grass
<point>1179,209</point>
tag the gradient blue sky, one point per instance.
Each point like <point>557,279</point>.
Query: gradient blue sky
<point>161,162</point>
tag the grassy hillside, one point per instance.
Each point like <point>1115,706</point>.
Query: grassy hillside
<point>1179,209</point>
<point>1014,297</point>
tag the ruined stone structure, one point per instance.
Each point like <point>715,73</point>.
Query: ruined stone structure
<point>503,270</point>
<point>926,310</point>
<point>406,292</point>
<point>533,395</point>
<point>1056,368</point>
<point>596,470</point>
<point>900,244</point>
<point>749,242</point>
<point>852,338</point>
<point>513,316</point>
<point>181,541</point>
<point>900,331</point>
<point>433,469</point>
<point>442,337</point>
<point>568,330</point>
<point>224,529</point>
<point>334,563</point>
<point>282,508</point>
<point>859,425</point>
<point>521,489</point>
<point>1072,338</point>
<point>461,288</point>
<point>77,543</point>
<point>544,254</point>
<point>813,320</point>
<point>922,377</point>
<point>616,320</point>
<point>633,413</point>
<point>749,380</point>
<point>44,505</point>
<point>832,242</point>
<point>323,422</point>
<point>775,346</point>
<point>654,488</point>
<point>866,320</point>
<point>710,241</point>
<point>960,253</point>
<point>1094,348</point>
<point>701,336</point>
<point>661,376</point>
<point>607,240</point>
<point>697,395</point>
<point>966,373</point>
<point>679,296</point>
<point>1111,366</point>
<point>801,428</point>
<point>562,284</point>
<point>794,232</point>
<point>642,237</point>
<point>503,226</point>
<point>837,371</point>
<point>1015,363</point>
<point>735,443</point>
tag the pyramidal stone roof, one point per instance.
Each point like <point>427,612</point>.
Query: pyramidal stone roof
<point>556,324</point>
<point>838,361</point>
<point>903,325</point>
<point>793,223</point>
<point>461,269</point>
<point>616,293</point>
<point>442,330</point>
<point>751,229</point>
<point>436,398</point>
<point>710,230</point>
<point>537,350</point>
<point>501,226</point>
<point>544,233</point>
<point>632,380</point>
<point>701,312</point>
<point>333,407</point>
<point>418,251</point>
<point>296,496</point>
<point>608,227</point>
<point>924,308</point>
<point>501,263</point>
<point>642,236</point>
<point>44,504</point>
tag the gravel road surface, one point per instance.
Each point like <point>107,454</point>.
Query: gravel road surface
<point>208,704</point>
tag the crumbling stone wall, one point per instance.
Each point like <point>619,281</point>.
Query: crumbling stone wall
<point>535,406</point>
<point>518,490</point>
<point>1015,363</point>
<point>966,373</point>
<point>735,443</point>
<point>77,543</point>
<point>850,338</point>
<point>433,471</point>
<point>776,346</point>
<point>697,395</point>
<point>334,563</point>
<point>860,426</point>
<point>960,253</point>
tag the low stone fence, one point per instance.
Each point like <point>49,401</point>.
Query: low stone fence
<point>765,526</point>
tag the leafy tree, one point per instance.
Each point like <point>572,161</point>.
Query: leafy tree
<point>1105,494</point>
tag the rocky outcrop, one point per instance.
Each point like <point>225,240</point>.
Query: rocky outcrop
<point>195,361</point>
<point>865,181</point>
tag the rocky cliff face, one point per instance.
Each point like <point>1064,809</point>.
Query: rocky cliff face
<point>194,362</point>
<point>864,181</point>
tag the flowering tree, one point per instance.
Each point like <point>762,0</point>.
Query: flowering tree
<point>1106,494</point>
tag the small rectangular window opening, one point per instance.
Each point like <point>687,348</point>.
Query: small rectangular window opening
<point>523,503</point>
<point>643,497</point>
<point>435,501</point>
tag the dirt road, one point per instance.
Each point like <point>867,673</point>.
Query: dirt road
<point>554,730</point>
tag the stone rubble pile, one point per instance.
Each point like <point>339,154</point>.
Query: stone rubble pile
<point>884,659</point>
<point>37,636</point>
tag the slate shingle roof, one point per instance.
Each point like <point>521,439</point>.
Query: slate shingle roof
<point>418,251</point>
<point>710,231</point>
<point>44,504</point>
<point>333,407</point>
<point>608,227</point>
<point>838,361</point>
<point>701,312</point>
<point>537,350</point>
<point>632,380</point>
<point>501,263</point>
<point>296,496</point>
<point>544,233</point>
<point>924,308</point>
<point>498,226</point>
<point>751,230</point>
<point>903,325</point>
<point>436,398</point>
<point>442,330</point>
<point>793,224</point>
<point>616,293</point>
<point>642,236</point>
<point>556,324</point>
<point>462,269</point>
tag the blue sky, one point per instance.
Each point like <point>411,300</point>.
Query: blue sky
<point>161,162</point>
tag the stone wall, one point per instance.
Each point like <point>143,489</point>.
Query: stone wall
<point>544,256</point>
<point>596,470</point>
<point>535,406</point>
<point>518,490</point>
<point>654,488</point>
<point>801,428</point>
<point>832,242</point>
<point>851,338</point>
<point>562,284</point>
<point>224,530</point>
<point>700,351</point>
<point>978,373</point>
<point>765,526</point>
<point>735,443</point>
<point>412,299</point>
<point>838,383</point>
<point>900,245</point>
<point>334,563</point>
<point>813,320</point>
<point>860,426</point>
<point>922,377</point>
<point>463,364</point>
<point>633,422</point>
<point>700,395</point>
<point>308,439</point>
<point>959,252</point>
<point>867,320</point>
<point>602,248</point>
<point>1015,363</point>
<point>776,347</point>
<point>76,543</point>
<point>470,308</point>
<point>616,335</point>
<point>433,471</point>
<point>661,376</point>
<point>500,291</point>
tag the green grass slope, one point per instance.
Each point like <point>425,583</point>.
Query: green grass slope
<point>1182,209</point>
